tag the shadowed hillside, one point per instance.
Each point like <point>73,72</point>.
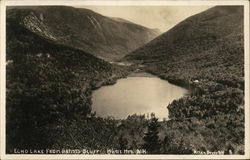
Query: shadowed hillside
<point>84,29</point>
<point>195,35</point>
<point>47,83</point>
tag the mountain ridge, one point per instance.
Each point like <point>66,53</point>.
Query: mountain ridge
<point>174,38</point>
<point>84,29</point>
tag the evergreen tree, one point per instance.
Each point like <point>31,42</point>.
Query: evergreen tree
<point>123,142</point>
<point>166,144</point>
<point>171,146</point>
<point>151,138</point>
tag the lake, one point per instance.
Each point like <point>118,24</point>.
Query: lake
<point>139,93</point>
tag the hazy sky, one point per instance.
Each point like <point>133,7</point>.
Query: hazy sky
<point>161,17</point>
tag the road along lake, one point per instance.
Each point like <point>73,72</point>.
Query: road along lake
<point>140,93</point>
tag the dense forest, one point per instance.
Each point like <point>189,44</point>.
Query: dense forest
<point>204,53</point>
<point>49,86</point>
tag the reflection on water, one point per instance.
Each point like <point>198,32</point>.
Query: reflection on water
<point>140,95</point>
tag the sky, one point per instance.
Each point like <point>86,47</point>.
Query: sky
<point>161,17</point>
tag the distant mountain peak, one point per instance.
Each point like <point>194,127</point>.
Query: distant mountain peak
<point>121,20</point>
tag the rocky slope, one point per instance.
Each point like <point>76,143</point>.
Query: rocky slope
<point>101,36</point>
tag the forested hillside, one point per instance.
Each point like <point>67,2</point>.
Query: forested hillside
<point>204,53</point>
<point>47,83</point>
<point>101,36</point>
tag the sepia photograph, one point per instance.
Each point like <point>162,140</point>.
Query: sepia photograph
<point>133,79</point>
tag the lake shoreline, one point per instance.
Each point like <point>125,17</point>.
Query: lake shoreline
<point>141,74</point>
<point>138,93</point>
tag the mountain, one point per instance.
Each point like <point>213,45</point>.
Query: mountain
<point>47,82</point>
<point>101,36</point>
<point>211,41</point>
<point>204,53</point>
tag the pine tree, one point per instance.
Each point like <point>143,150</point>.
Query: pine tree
<point>123,142</point>
<point>151,138</point>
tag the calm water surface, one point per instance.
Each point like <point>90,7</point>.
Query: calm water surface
<point>140,95</point>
